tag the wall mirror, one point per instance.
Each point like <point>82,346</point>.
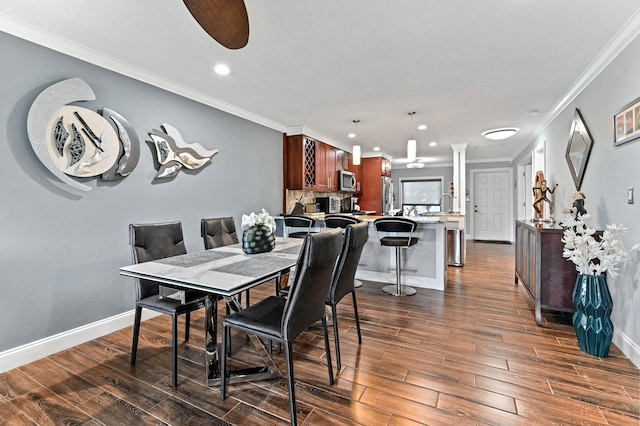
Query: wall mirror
<point>578,149</point>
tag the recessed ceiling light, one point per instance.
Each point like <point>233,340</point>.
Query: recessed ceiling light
<point>498,134</point>
<point>422,127</point>
<point>376,148</point>
<point>351,135</point>
<point>415,165</point>
<point>433,143</point>
<point>221,69</point>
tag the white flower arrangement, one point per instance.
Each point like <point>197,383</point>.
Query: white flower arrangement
<point>590,255</point>
<point>261,219</point>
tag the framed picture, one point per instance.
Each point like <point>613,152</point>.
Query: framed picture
<point>626,123</point>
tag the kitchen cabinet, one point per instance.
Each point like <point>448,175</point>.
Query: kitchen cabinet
<point>299,157</point>
<point>310,164</point>
<point>548,277</point>
<point>372,169</point>
<point>326,167</point>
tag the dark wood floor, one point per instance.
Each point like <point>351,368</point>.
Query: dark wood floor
<point>469,355</point>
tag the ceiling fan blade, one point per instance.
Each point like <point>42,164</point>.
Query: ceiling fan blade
<point>224,20</point>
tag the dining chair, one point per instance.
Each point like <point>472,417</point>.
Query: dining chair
<point>342,283</point>
<point>283,319</point>
<point>342,221</point>
<point>220,232</point>
<point>152,242</point>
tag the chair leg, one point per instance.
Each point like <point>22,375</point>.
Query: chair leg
<point>398,272</point>
<point>326,348</point>
<point>174,351</point>
<point>355,313</point>
<point>136,333</point>
<point>334,314</point>
<point>223,363</point>
<point>187,325</point>
<point>291,381</point>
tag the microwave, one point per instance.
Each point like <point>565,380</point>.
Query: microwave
<point>347,181</point>
<point>329,205</point>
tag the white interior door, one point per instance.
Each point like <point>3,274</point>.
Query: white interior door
<point>491,205</point>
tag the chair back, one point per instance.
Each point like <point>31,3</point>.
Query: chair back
<point>395,224</point>
<point>152,242</point>
<point>339,221</point>
<point>355,237</point>
<point>306,301</point>
<point>218,232</point>
<point>298,221</point>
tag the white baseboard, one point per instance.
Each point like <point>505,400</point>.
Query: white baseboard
<point>627,346</point>
<point>33,351</point>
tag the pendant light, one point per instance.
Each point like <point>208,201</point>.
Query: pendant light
<point>411,143</point>
<point>356,148</point>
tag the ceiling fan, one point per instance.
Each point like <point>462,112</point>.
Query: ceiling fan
<point>224,20</point>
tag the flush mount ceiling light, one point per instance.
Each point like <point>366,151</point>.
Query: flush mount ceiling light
<point>221,69</point>
<point>356,148</point>
<point>415,165</point>
<point>499,134</point>
<point>411,143</point>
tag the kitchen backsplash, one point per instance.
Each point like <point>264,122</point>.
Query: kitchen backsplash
<point>294,195</point>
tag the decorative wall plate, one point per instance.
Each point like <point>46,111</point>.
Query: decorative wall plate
<point>74,141</point>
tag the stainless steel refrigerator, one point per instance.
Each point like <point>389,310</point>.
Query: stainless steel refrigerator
<point>387,195</point>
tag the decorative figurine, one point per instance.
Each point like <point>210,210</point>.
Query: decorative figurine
<point>540,192</point>
<point>577,208</point>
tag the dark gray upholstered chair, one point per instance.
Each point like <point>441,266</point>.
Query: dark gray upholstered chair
<point>355,237</point>
<point>341,221</point>
<point>152,242</point>
<point>282,320</point>
<point>303,223</point>
<point>220,232</point>
<point>405,227</point>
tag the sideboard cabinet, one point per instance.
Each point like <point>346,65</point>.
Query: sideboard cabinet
<point>546,275</point>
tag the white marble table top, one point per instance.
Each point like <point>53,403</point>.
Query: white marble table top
<point>225,270</point>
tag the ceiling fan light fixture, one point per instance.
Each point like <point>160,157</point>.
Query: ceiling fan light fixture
<point>499,134</point>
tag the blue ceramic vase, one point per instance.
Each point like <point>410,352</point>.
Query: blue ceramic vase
<point>258,239</point>
<point>591,319</point>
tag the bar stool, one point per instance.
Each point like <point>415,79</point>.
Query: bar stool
<point>397,225</point>
<point>341,221</point>
<point>298,221</point>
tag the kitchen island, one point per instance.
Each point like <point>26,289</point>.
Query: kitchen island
<point>424,265</point>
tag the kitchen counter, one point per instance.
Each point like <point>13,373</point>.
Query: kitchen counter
<point>424,265</point>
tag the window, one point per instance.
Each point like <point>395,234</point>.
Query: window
<point>421,195</point>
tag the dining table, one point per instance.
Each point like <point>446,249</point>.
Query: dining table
<point>224,272</point>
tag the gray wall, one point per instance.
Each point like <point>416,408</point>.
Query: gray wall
<point>61,248</point>
<point>610,171</point>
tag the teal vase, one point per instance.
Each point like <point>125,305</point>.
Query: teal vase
<point>258,239</point>
<point>591,319</point>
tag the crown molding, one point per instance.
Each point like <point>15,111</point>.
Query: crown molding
<point>67,47</point>
<point>625,35</point>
